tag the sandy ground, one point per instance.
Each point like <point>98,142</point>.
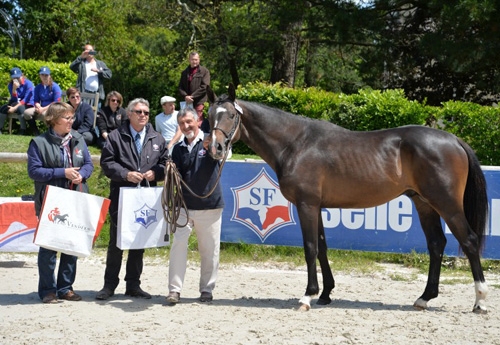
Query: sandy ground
<point>252,305</point>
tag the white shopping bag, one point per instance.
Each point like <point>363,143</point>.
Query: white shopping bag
<point>70,221</point>
<point>140,219</point>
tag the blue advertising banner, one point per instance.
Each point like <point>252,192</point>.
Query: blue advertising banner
<point>257,213</point>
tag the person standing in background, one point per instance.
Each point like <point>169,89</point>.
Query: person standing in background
<point>166,122</point>
<point>21,92</point>
<point>58,157</point>
<point>91,72</point>
<point>193,88</point>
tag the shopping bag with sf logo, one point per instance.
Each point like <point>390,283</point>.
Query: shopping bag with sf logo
<point>140,219</point>
<point>70,221</point>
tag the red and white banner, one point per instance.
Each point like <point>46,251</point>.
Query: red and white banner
<point>17,225</point>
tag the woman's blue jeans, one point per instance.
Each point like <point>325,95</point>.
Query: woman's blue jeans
<point>65,276</point>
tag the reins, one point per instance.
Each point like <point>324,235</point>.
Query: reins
<point>172,200</point>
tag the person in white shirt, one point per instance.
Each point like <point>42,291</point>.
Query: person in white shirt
<point>166,122</point>
<point>91,72</point>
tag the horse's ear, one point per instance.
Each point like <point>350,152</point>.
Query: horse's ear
<point>232,92</point>
<point>211,95</point>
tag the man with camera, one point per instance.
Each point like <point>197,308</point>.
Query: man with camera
<point>91,72</point>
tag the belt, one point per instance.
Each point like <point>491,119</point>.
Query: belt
<point>88,91</point>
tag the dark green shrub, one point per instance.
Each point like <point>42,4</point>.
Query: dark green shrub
<point>477,125</point>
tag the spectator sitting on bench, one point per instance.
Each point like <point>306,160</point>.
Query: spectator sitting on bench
<point>21,98</point>
<point>46,93</point>
<point>84,116</point>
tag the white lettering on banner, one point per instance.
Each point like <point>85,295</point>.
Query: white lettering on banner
<point>396,213</point>
<point>494,213</point>
<point>495,217</point>
<point>400,214</point>
<point>262,196</point>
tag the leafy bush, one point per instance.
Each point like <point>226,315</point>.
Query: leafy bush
<point>477,125</point>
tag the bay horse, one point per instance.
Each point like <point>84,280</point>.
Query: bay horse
<point>321,165</point>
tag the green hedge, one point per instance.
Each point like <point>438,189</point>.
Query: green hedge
<point>373,109</point>
<point>478,125</point>
<point>60,73</point>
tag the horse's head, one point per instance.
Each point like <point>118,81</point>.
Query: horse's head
<point>224,117</point>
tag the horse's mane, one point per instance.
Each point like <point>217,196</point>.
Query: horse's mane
<point>260,107</point>
<point>277,114</point>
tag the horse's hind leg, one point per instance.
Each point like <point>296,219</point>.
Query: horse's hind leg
<point>328,281</point>
<point>469,243</point>
<point>436,242</point>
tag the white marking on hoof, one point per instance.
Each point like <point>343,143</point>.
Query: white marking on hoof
<point>481,293</point>
<point>305,303</point>
<point>420,304</point>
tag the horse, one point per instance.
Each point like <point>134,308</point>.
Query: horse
<point>321,165</point>
<point>60,218</point>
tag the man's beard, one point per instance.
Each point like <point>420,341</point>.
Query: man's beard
<point>189,135</point>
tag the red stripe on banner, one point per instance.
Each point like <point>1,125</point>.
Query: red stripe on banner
<point>21,212</point>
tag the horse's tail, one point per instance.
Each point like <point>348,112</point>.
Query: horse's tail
<point>475,197</point>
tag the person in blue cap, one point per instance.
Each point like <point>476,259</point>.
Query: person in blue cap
<point>46,93</point>
<point>21,91</point>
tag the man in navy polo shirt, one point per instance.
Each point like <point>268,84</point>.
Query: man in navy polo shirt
<point>21,91</point>
<point>199,171</point>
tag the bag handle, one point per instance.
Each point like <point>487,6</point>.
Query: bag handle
<point>72,184</point>
<point>139,184</point>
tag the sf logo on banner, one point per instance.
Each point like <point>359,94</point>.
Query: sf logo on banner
<point>260,206</point>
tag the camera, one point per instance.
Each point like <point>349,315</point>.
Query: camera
<point>92,52</point>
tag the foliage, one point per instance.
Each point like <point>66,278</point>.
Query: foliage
<point>432,50</point>
<point>478,125</point>
<point>373,109</point>
<point>366,110</point>
<point>442,51</point>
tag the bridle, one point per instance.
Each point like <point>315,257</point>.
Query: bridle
<point>236,124</point>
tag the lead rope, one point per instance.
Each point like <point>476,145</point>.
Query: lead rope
<point>172,201</point>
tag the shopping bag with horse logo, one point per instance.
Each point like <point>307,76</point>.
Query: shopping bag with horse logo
<point>70,221</point>
<point>140,219</point>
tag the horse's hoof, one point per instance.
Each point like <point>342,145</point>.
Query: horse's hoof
<point>322,301</point>
<point>304,307</point>
<point>479,310</point>
<point>420,304</point>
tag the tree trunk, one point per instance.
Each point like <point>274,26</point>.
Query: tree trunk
<point>286,54</point>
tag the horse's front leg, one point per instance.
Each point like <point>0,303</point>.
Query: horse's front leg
<point>308,216</point>
<point>328,281</point>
